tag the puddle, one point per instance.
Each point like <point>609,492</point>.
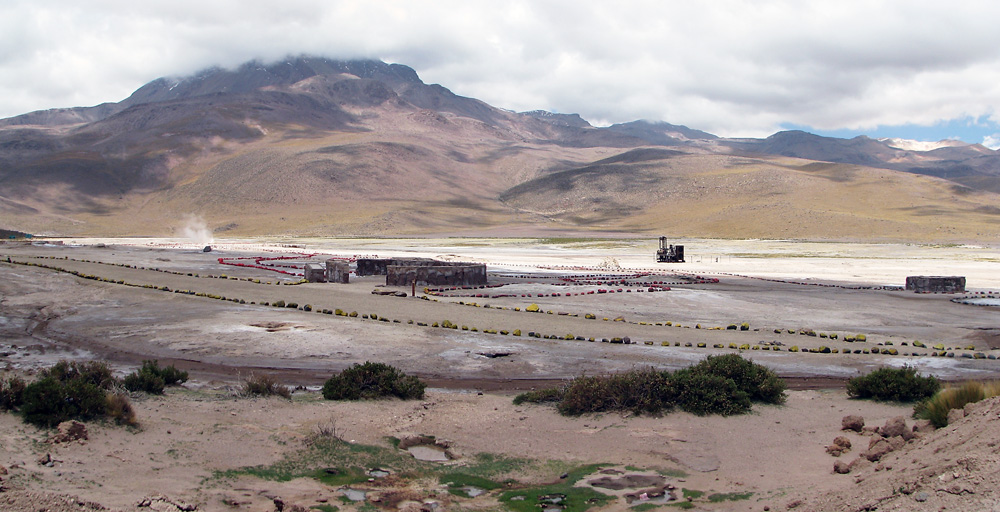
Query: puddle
<point>472,491</point>
<point>378,473</point>
<point>429,453</point>
<point>354,494</point>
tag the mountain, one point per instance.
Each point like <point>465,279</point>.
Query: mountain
<point>315,146</point>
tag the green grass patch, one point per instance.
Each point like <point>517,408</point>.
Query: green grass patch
<point>729,496</point>
<point>692,494</point>
<point>325,508</point>
<point>563,494</point>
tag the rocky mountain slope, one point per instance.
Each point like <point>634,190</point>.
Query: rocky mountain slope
<point>313,146</point>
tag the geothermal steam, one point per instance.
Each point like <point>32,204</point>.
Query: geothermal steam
<point>196,230</point>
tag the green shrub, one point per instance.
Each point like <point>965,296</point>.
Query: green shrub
<point>638,391</point>
<point>144,381</point>
<point>759,382</point>
<point>11,393</point>
<point>371,381</point>
<point>893,384</point>
<point>97,373</point>
<point>50,401</point>
<point>702,393</point>
<point>262,384</point>
<point>540,396</point>
<point>151,378</point>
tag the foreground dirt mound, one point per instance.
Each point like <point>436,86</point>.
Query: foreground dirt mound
<point>953,468</point>
<point>30,500</point>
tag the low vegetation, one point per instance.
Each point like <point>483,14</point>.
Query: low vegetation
<point>893,384</point>
<point>371,381</point>
<point>727,384</point>
<point>151,378</point>
<point>937,407</point>
<point>262,384</point>
<point>68,390</point>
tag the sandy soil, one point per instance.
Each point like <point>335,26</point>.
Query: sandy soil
<point>777,453</point>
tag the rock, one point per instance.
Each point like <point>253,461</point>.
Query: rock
<point>921,496</point>
<point>841,468</point>
<point>878,450</point>
<point>970,407</point>
<point>69,431</point>
<point>842,442</point>
<point>894,427</point>
<point>3,470</point>
<point>954,415</point>
<point>923,426</point>
<point>793,504</point>
<point>852,422</point>
<point>897,442</point>
<point>45,460</point>
<point>859,463</point>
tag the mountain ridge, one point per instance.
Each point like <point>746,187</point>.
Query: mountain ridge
<point>320,146</point>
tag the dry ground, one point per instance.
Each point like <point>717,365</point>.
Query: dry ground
<point>776,453</point>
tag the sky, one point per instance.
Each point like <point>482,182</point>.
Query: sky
<point>911,69</point>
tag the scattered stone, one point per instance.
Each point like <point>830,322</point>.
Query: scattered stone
<point>897,442</point>
<point>161,503</point>
<point>923,426</point>
<point>793,504</point>
<point>3,470</point>
<point>852,422</point>
<point>69,431</point>
<point>878,450</point>
<point>840,445</point>
<point>921,496</point>
<point>841,468</point>
<point>894,427</point>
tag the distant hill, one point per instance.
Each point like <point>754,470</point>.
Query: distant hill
<point>315,146</point>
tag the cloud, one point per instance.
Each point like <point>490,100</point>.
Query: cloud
<point>730,67</point>
<point>992,141</point>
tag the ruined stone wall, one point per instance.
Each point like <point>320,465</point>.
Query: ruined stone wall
<point>315,273</point>
<point>936,284</point>
<point>439,273</point>
<point>377,266</point>
<point>338,271</point>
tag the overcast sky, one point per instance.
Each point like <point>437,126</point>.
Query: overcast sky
<point>917,69</point>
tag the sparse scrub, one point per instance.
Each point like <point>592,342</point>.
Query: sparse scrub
<point>119,408</point>
<point>549,395</point>
<point>893,384</point>
<point>11,393</point>
<point>151,378</point>
<point>262,384</point>
<point>371,381</point>
<point>937,407</point>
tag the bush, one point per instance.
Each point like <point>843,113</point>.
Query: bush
<point>371,381</point>
<point>540,396</point>
<point>759,382</point>
<point>264,385</point>
<point>635,390</point>
<point>151,378</point>
<point>97,373</point>
<point>144,381</point>
<point>11,393</point>
<point>893,384</point>
<point>937,407</point>
<point>50,401</point>
<point>703,393</point>
<point>119,408</point>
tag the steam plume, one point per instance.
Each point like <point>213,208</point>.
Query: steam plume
<point>196,230</point>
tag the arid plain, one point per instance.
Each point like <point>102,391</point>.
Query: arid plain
<point>778,289</point>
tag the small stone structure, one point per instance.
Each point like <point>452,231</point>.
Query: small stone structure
<point>315,273</point>
<point>338,271</point>
<point>379,266</point>
<point>936,284</point>
<point>440,273</point>
<point>425,271</point>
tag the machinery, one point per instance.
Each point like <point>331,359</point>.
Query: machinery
<point>669,253</point>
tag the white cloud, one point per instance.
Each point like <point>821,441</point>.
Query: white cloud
<point>730,67</point>
<point>992,141</point>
